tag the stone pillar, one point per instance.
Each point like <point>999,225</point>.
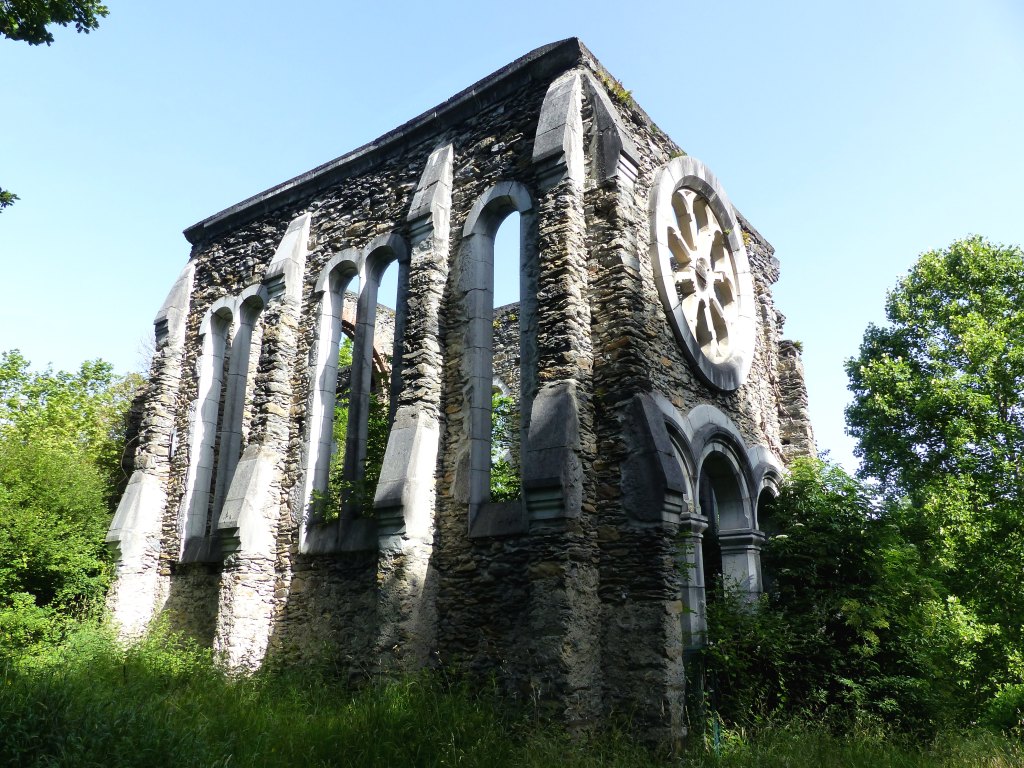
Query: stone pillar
<point>249,520</point>
<point>139,589</point>
<point>405,497</point>
<point>558,420</point>
<point>794,416</point>
<point>691,569</point>
<point>641,600</point>
<point>741,559</point>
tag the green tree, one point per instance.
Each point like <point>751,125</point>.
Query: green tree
<point>81,413</point>
<point>53,564</point>
<point>61,441</point>
<point>938,412</point>
<point>28,20</point>
<point>851,625</point>
<point>6,198</point>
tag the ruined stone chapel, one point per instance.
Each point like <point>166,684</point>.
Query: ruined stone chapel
<point>653,407</point>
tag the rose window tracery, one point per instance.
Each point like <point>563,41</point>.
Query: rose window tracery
<point>704,273</point>
<point>702,270</point>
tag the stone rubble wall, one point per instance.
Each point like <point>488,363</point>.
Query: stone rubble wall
<point>571,599</point>
<point>796,433</point>
<point>506,349</point>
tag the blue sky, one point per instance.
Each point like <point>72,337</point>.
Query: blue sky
<point>854,136</point>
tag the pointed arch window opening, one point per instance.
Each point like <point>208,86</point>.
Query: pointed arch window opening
<point>332,386</point>
<point>504,482</point>
<point>356,385</point>
<point>227,372</point>
<point>239,377</point>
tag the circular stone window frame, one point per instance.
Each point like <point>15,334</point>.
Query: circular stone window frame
<point>688,173</point>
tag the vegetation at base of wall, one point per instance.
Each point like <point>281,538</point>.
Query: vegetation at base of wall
<point>165,703</point>
<point>896,598</point>
<point>853,629</point>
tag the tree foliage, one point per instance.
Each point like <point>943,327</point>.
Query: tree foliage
<point>27,20</point>
<point>61,441</point>
<point>81,413</point>
<point>938,412</point>
<point>851,625</point>
<point>6,198</point>
<point>940,390</point>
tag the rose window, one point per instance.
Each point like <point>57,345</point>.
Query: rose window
<point>702,270</point>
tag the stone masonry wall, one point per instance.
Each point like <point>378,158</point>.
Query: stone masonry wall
<point>577,596</point>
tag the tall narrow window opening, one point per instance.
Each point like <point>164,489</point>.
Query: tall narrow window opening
<point>505,484</point>
<point>214,365</point>
<point>331,387</point>
<point>355,385</point>
<point>488,270</point>
<point>371,409</point>
<point>239,382</point>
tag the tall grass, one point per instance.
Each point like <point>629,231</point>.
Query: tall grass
<point>165,703</point>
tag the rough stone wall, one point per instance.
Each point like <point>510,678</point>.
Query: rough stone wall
<point>506,348</point>
<point>796,434</point>
<point>578,596</point>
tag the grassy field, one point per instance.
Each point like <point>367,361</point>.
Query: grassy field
<point>91,704</point>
